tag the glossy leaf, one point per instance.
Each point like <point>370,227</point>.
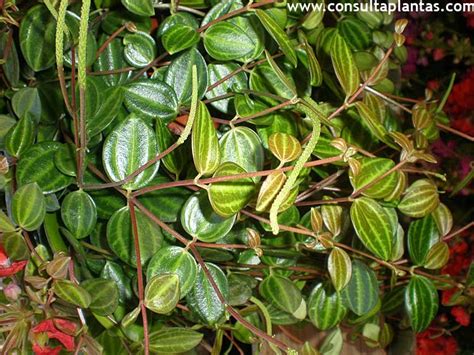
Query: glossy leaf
<point>174,340</point>
<point>325,307</point>
<point>179,37</point>
<point>129,146</point>
<point>344,65</point>
<point>112,58</point>
<point>139,7</point>
<point>281,292</point>
<point>27,102</point>
<point>340,268</point>
<point>162,293</point>
<point>420,199</point>
<point>29,207</point>
<point>332,218</point>
<point>422,235</point>
<point>140,49</point>
<point>104,296</point>
<point>269,190</point>
<point>225,41</point>
<point>72,293</point>
<point>443,219</point>
<point>79,213</point>
<point>438,256</point>
<point>421,302</point>
<point>372,169</point>
<point>284,146</point>
<point>20,137</point>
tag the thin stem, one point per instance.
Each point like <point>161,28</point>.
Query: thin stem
<point>141,292</point>
<point>458,231</point>
<point>180,8</point>
<point>455,131</point>
<point>109,40</point>
<point>264,112</point>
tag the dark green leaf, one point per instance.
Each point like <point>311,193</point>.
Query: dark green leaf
<point>20,137</point>
<point>28,207</point>
<point>420,199</point>
<point>421,302</point>
<point>140,49</point>
<point>422,235</point>
<point>281,293</point>
<point>79,213</point>
<point>27,102</point>
<point>139,7</point>
<point>325,308</point>
<point>179,37</point>
<point>104,296</point>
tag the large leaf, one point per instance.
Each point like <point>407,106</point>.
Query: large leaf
<point>179,37</point>
<point>373,227</point>
<point>140,49</point>
<point>199,219</point>
<point>269,190</point>
<point>27,101</point>
<point>421,302</point>
<point>110,103</point>
<point>325,307</point>
<point>29,207</point>
<point>162,293</point>
<point>121,240</point>
<point>79,213</point>
<point>372,169</point>
<point>139,7</point>
<point>130,145</point>
<point>420,199</point>
<point>174,340</point>
<point>104,296</point>
<point>281,293</point>
<point>422,235</point>
<point>112,58</point>
<point>361,294</point>
<point>224,41</point>
<point>174,260</point>
<point>344,65</point>
<point>229,197</point>
<point>72,293</point>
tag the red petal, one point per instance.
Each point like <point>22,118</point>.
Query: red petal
<point>63,338</point>
<point>38,350</point>
<point>65,325</point>
<point>3,256</point>
<point>45,326</point>
<point>12,269</point>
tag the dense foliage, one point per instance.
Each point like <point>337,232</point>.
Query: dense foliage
<point>198,176</point>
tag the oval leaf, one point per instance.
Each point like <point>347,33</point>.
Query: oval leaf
<point>174,340</point>
<point>281,293</point>
<point>162,293</point>
<point>325,307</point>
<point>284,146</point>
<point>422,235</point>
<point>421,302</point>
<point>344,65</point>
<point>72,293</point>
<point>104,296</point>
<point>29,207</point>
<point>420,199</point>
<point>340,268</point>
<point>79,213</point>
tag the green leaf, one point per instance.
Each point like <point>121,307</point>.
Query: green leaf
<point>113,271</point>
<point>325,307</point>
<point>200,221</point>
<point>361,293</point>
<point>20,137</point>
<point>203,299</point>
<point>355,32</point>
<point>225,41</point>
<point>278,35</point>
<point>29,207</point>
<point>140,49</point>
<point>284,147</point>
<point>373,123</point>
<point>65,159</point>
<point>15,246</point>
<point>162,293</point>
<point>372,169</point>
<point>37,165</point>
<point>151,99</point>
<point>264,79</point>
<point>443,219</point>
<point>332,218</point>
<point>269,190</point>
<point>420,199</point>
<point>373,227</point>
<point>179,37</point>
<point>179,75</point>
<point>422,235</point>
<point>205,145</point>
<point>281,293</point>
<point>332,344</point>
<point>340,268</point>
<point>27,102</point>
<point>174,260</point>
<point>111,101</point>
<point>313,65</point>
<point>421,302</point>
<point>229,197</point>
<point>11,68</point>
<point>72,293</point>
<point>121,240</point>
<point>104,296</point>
<point>139,7</point>
<point>438,256</point>
<point>79,213</point>
<point>112,58</point>
<point>344,65</point>
<point>241,145</point>
<point>176,160</point>
<point>37,38</point>
<point>6,224</point>
<point>130,145</point>
<point>174,340</point>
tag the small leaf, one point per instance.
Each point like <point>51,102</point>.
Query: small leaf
<point>340,268</point>
<point>113,271</point>
<point>332,218</point>
<point>325,307</point>
<point>140,49</point>
<point>29,207</point>
<point>421,117</point>
<point>284,146</point>
<point>373,227</point>
<point>104,296</point>
<point>420,199</point>
<point>438,256</point>
<point>269,189</point>
<point>162,293</point>
<point>79,213</point>
<point>20,137</point>
<point>344,65</point>
<point>139,7</point>
<point>175,160</point>
<point>131,317</point>
<point>443,219</point>
<point>179,37</point>
<point>174,260</point>
<point>174,340</point>
<point>229,197</point>
<point>225,41</point>
<point>65,159</point>
<point>332,344</point>
<point>72,293</point>
<point>373,123</point>
<point>281,292</point>
<point>15,246</point>
<point>422,235</point>
<point>278,35</point>
<point>205,145</point>
<point>421,302</point>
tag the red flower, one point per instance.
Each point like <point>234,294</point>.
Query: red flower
<point>461,315</point>
<point>438,54</point>
<point>427,343</point>
<point>59,329</point>
<point>447,295</point>
<point>8,268</point>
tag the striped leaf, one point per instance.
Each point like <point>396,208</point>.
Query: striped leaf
<point>422,235</point>
<point>113,271</point>
<point>29,207</point>
<point>400,187</point>
<point>373,123</point>
<point>284,79</point>
<point>217,72</point>
<point>6,224</point>
<point>340,268</point>
<point>420,199</point>
<point>48,177</point>
<point>361,293</point>
<point>373,226</point>
<point>376,105</point>
<point>229,197</point>
<point>176,160</point>
<point>278,35</point>
<point>70,292</point>
<point>174,260</point>
<point>355,32</point>
<point>313,65</point>
<point>200,221</point>
<point>421,117</point>
<point>79,213</point>
<point>344,65</point>
<point>325,307</point>
<point>398,247</point>
<point>151,99</point>
<point>332,218</point>
<point>162,293</point>
<point>174,340</point>
<point>203,299</point>
<point>372,169</point>
<point>129,146</point>
<point>269,189</point>
<point>104,296</point>
<point>281,293</point>
<point>179,37</point>
<point>438,256</point>
<point>120,236</point>
<point>112,59</point>
<point>443,219</point>
<point>139,7</point>
<point>224,41</point>
<point>20,137</point>
<point>111,101</point>
<point>205,145</point>
<point>241,145</point>
<point>284,146</point>
<point>421,302</point>
<point>393,300</point>
<point>140,49</point>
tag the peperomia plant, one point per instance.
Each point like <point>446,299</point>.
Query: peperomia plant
<point>193,176</point>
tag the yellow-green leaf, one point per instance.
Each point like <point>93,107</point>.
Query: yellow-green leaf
<point>284,146</point>
<point>344,65</point>
<point>420,199</point>
<point>340,268</point>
